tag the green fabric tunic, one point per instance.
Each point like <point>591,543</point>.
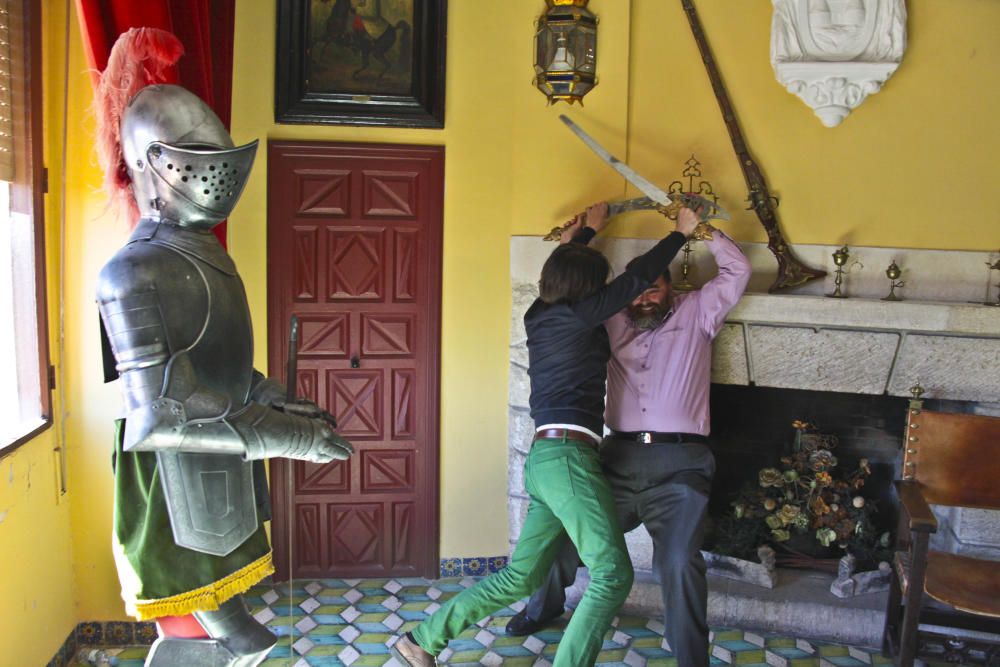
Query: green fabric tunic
<point>158,577</point>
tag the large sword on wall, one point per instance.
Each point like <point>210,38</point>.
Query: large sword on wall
<point>791,271</point>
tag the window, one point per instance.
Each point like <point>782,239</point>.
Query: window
<point>25,403</point>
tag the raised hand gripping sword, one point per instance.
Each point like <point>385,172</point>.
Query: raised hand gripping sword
<point>656,199</point>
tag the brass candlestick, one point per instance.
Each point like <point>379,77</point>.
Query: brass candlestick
<point>995,266</point>
<point>684,285</point>
<point>840,259</point>
<point>893,273</point>
<point>678,190</point>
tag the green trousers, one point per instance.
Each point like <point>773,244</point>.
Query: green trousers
<point>569,496</point>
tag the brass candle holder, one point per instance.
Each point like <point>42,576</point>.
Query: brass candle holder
<point>995,266</point>
<point>893,273</point>
<point>684,285</point>
<point>840,259</point>
<point>678,189</point>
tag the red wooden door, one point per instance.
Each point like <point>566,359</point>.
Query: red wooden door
<point>354,250</point>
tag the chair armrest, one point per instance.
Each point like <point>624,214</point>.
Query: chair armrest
<point>922,520</point>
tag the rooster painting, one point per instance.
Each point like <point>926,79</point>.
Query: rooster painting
<point>362,46</point>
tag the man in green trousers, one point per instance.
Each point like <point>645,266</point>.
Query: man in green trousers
<point>568,351</point>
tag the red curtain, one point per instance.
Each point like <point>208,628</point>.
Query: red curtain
<point>204,27</point>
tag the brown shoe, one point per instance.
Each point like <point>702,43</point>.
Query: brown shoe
<point>410,654</point>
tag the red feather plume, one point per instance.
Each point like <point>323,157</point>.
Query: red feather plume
<point>139,58</point>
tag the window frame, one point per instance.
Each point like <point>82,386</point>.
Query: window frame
<point>28,124</point>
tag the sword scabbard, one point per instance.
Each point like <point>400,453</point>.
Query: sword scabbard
<point>291,370</point>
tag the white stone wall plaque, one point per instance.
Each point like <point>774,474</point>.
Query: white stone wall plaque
<point>833,54</point>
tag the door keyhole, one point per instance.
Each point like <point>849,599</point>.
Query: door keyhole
<point>355,362</point>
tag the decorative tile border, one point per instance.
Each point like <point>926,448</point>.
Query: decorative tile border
<point>64,656</point>
<point>476,566</point>
<point>107,633</point>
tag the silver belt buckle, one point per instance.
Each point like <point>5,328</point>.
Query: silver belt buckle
<point>646,438</point>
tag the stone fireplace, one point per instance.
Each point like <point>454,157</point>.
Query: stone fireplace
<point>846,365</point>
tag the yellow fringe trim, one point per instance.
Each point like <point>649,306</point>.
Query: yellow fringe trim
<point>206,598</point>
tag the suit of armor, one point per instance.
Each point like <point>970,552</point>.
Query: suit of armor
<point>197,414</point>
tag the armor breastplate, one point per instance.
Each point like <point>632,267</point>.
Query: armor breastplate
<point>221,337</point>
<point>195,301</point>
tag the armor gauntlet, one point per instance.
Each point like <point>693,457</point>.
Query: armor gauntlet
<point>170,410</point>
<point>203,421</point>
<point>268,432</point>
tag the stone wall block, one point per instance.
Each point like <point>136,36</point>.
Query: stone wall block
<point>978,526</point>
<point>953,367</point>
<point>522,295</point>
<point>640,548</point>
<point>515,473</point>
<point>519,352</point>
<point>831,360</point>
<point>729,356</point>
<point>519,385</point>
<point>517,509</point>
<point>520,430</point>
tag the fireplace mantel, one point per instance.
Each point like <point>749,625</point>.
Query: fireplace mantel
<point>966,319</point>
<point>941,335</point>
<point>862,346</point>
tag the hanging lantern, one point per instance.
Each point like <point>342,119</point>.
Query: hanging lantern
<point>566,51</point>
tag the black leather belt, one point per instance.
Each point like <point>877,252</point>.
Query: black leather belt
<point>567,433</point>
<point>650,437</point>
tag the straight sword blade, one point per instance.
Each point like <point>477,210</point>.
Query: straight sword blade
<point>645,186</point>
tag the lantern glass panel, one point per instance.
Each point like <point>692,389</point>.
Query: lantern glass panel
<point>564,55</point>
<point>543,42</point>
<point>584,41</point>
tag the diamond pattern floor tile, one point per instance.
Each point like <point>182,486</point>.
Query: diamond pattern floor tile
<point>352,622</point>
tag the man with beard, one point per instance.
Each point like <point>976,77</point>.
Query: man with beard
<point>656,456</point>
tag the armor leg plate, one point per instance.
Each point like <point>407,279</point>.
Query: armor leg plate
<point>237,640</point>
<point>234,627</point>
<point>173,652</point>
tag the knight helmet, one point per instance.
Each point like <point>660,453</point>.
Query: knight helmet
<point>180,158</point>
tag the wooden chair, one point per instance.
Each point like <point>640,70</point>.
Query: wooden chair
<point>950,459</point>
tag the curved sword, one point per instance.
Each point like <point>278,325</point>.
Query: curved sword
<point>657,199</point>
<point>710,210</point>
<point>646,187</point>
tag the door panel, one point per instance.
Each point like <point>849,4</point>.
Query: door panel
<point>354,250</point>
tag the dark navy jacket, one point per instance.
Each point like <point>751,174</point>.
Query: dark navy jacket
<point>568,347</point>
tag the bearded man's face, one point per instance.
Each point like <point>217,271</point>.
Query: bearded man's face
<point>649,309</point>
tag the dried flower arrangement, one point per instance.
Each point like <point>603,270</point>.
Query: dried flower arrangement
<point>806,508</point>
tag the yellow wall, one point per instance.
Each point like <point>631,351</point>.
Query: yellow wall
<point>37,587</point>
<point>877,180</point>
<point>37,609</point>
<point>92,235</point>
<point>511,168</point>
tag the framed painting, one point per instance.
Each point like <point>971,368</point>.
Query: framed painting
<point>361,62</point>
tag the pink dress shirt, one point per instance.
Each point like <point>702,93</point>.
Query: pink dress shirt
<point>659,380</point>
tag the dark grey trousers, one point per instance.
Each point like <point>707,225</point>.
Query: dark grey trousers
<point>664,487</point>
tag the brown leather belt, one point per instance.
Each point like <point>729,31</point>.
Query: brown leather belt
<point>565,433</point>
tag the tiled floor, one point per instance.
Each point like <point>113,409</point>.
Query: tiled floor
<point>351,622</point>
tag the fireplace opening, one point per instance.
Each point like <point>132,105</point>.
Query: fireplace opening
<point>752,430</point>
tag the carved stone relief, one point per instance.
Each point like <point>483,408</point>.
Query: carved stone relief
<point>833,54</point>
